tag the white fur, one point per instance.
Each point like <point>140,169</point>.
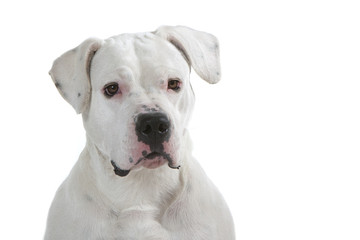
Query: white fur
<point>160,203</point>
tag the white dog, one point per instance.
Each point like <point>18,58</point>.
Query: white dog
<point>136,177</point>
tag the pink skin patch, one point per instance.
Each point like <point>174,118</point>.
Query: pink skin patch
<point>154,163</point>
<point>142,156</point>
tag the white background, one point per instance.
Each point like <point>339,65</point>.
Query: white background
<point>279,135</point>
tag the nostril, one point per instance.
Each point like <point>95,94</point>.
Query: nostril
<point>147,129</point>
<point>163,128</point>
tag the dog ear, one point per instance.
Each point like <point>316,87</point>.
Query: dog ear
<point>201,50</point>
<point>71,73</point>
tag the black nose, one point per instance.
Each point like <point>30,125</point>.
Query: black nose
<point>153,129</point>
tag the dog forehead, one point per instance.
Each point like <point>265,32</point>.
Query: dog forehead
<point>141,53</point>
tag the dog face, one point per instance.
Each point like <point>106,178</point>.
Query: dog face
<point>140,90</point>
<point>134,92</point>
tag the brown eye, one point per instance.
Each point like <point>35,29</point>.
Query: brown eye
<point>174,84</point>
<point>111,89</point>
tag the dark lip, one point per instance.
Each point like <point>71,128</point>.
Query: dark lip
<point>118,171</point>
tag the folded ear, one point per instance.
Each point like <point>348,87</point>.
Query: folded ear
<point>71,73</point>
<point>201,50</point>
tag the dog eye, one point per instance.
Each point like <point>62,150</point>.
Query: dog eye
<point>111,89</point>
<point>174,84</point>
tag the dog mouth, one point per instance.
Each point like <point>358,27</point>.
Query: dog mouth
<point>156,159</point>
<point>153,155</point>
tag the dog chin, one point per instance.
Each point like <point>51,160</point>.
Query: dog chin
<point>154,163</point>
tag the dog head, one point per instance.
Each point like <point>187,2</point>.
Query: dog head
<point>134,92</point>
